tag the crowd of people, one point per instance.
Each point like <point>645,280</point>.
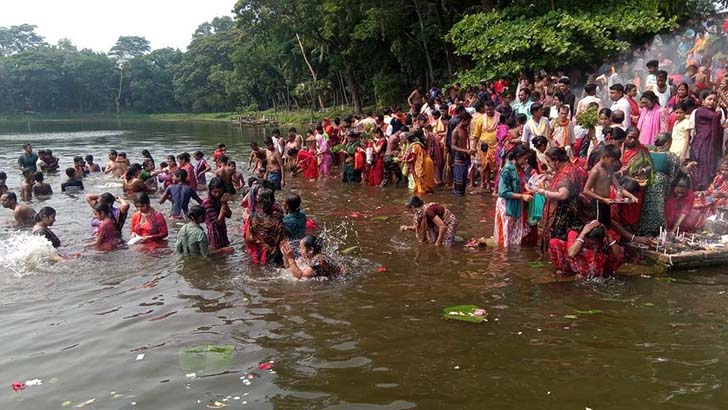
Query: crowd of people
<point>651,159</point>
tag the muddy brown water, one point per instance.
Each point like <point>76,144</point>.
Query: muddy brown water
<point>376,340</point>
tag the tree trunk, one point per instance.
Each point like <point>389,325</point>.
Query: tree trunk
<point>443,25</point>
<point>424,45</point>
<point>354,88</point>
<point>343,88</point>
<point>313,73</point>
<point>118,96</point>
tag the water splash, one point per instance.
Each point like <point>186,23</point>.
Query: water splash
<point>23,254</point>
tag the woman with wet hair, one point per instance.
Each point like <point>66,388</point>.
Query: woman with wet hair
<point>312,262</point>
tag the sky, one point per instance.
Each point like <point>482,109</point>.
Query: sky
<point>97,24</point>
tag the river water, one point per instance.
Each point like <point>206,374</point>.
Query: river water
<point>376,340</point>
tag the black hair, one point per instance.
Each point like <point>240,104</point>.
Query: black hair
<point>268,140</point>
<point>611,151</point>
<point>3,175</point>
<point>539,141</point>
<point>142,198</point>
<point>44,212</point>
<point>631,129</point>
<point>517,152</point>
<point>181,174</point>
<point>617,87</point>
<point>313,243</point>
<point>631,186</point>
<point>199,153</point>
<point>101,207</point>
<point>11,195</point>
<point>590,88</point>
<point>266,199</point>
<point>662,73</point>
<point>106,198</point>
<point>195,212</point>
<point>606,111</point>
<point>415,202</point>
<point>253,144</point>
<point>70,172</point>
<point>215,183</point>
<point>663,139</point>
<point>184,156</point>
<point>293,202</point>
<point>130,173</point>
<point>650,96</point>
<point>89,158</point>
<point>39,176</point>
<point>564,80</point>
<point>557,154</point>
<point>521,118</point>
<point>535,107</point>
<point>629,87</point>
<point>77,158</point>
<point>146,154</point>
<point>163,164</point>
<point>221,145</point>
<point>113,152</point>
<point>652,63</point>
<point>597,234</point>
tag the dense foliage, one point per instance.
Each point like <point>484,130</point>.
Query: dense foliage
<point>312,54</point>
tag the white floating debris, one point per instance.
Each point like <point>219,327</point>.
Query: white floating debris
<point>140,356</point>
<point>191,375</point>
<point>34,382</point>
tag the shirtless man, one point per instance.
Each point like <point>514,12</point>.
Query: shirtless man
<point>110,166</point>
<point>253,159</point>
<point>122,164</point>
<point>391,166</point>
<point>461,154</point>
<point>237,177</point>
<point>40,187</point>
<point>226,172</point>
<point>291,146</point>
<point>23,214</point>
<point>274,169</point>
<point>26,187</point>
<point>601,178</point>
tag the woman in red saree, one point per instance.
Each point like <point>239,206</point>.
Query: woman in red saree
<point>707,145</point>
<point>562,196</point>
<point>307,161</point>
<point>589,253</point>
<point>376,169</point>
<point>715,196</point>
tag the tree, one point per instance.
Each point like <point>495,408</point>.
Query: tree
<point>126,48</point>
<point>151,87</point>
<point>527,38</point>
<point>15,39</point>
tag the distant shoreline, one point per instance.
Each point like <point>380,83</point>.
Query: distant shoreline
<point>282,117</point>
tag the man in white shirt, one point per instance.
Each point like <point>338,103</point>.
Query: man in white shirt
<point>651,80</point>
<point>619,102</point>
<point>591,97</point>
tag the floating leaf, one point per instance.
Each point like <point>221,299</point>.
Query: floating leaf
<point>381,218</point>
<point>348,250</point>
<point>66,403</point>
<point>648,304</point>
<point>536,264</point>
<point>207,357</point>
<point>571,316</point>
<point>589,312</point>
<point>467,313</point>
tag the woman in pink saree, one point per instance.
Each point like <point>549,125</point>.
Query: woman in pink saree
<point>653,118</point>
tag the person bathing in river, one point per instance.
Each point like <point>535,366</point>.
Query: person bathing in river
<point>216,211</point>
<point>179,194</point>
<point>201,168</point>
<point>26,187</point>
<point>312,262</point>
<point>295,220</point>
<point>122,165</point>
<point>587,253</point>
<point>264,229</point>
<point>91,165</point>
<point>133,183</point>
<point>118,215</point>
<point>110,167</point>
<point>3,186</point>
<point>80,167</point>
<point>147,223</point>
<point>432,222</point>
<point>44,219</point>
<point>107,236</point>
<point>183,162</point>
<point>72,184</point>
<point>23,215</point>
<point>274,169</point>
<point>191,238</point>
<point>41,188</point>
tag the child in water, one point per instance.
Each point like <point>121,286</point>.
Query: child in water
<point>90,165</point>
<point>180,194</point>
<point>216,210</point>
<point>107,237</point>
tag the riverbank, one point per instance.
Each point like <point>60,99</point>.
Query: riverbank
<point>281,117</point>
